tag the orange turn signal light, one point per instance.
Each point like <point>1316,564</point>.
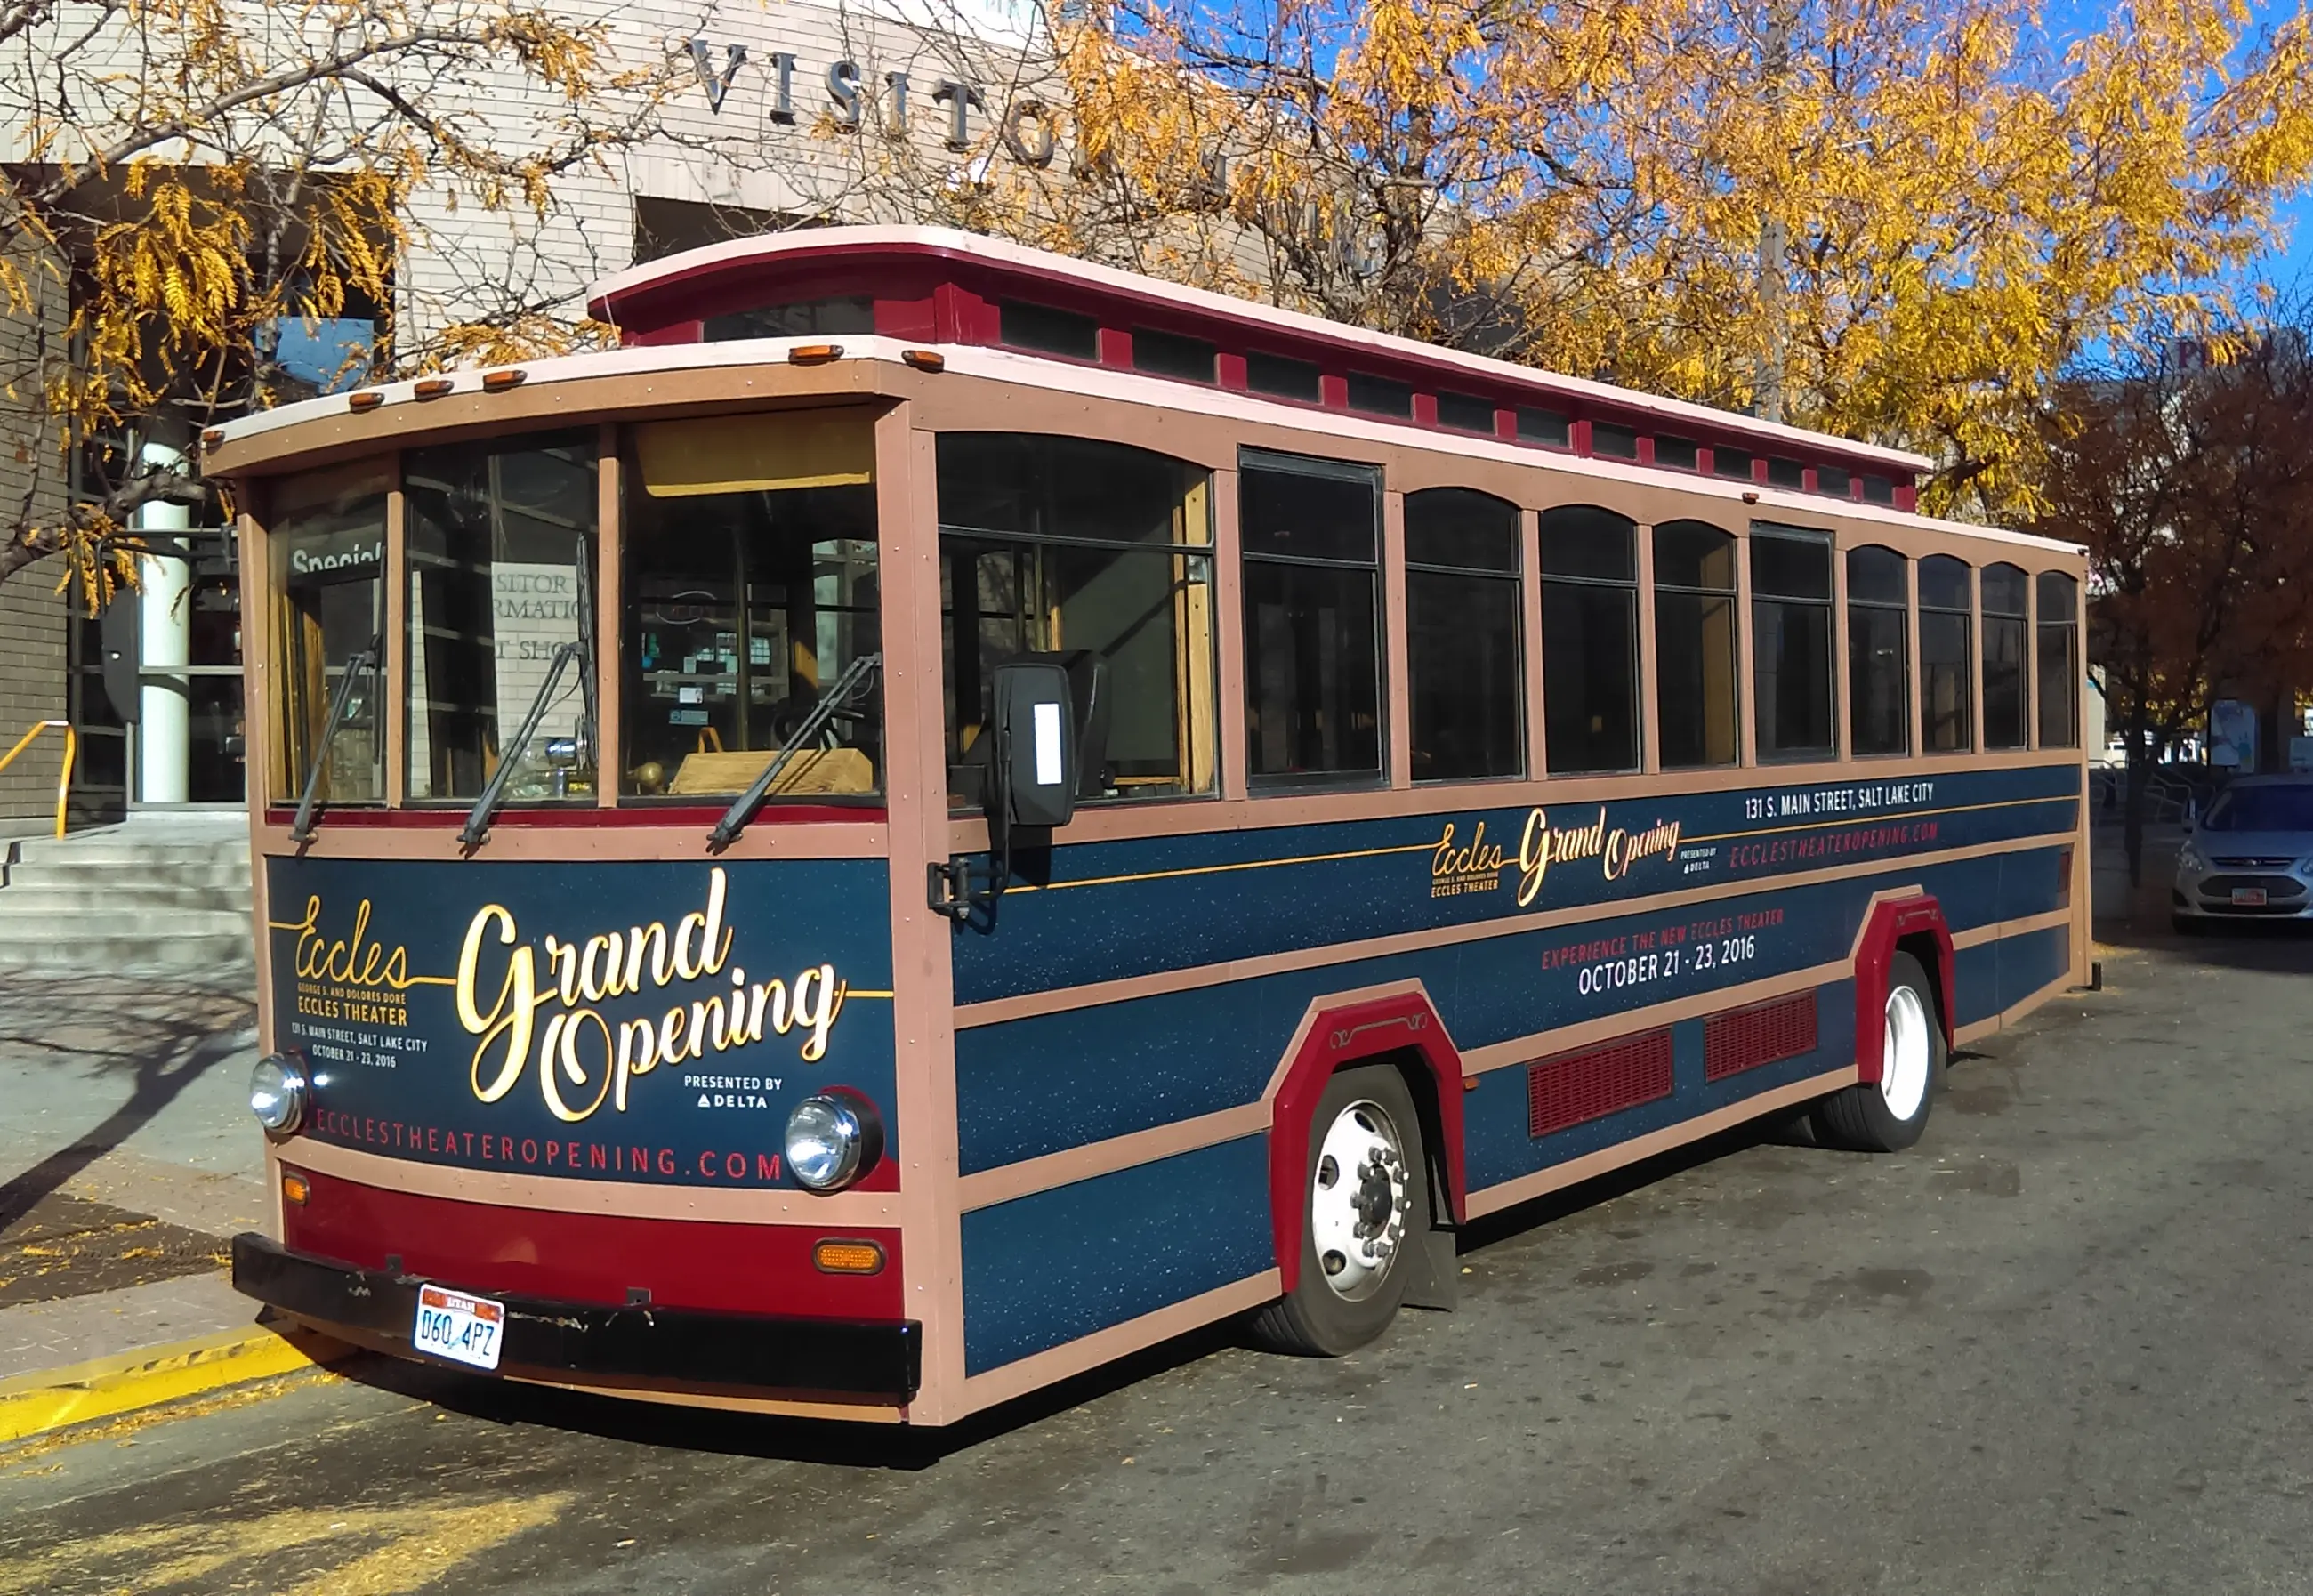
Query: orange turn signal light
<point>211,438</point>
<point>296,1188</point>
<point>925,359</point>
<point>499,381</point>
<point>847,1258</point>
<point>814,354</point>
<point>433,387</point>
<point>365,398</point>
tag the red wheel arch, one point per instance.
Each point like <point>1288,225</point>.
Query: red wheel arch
<point>1892,923</point>
<point>1357,1030</point>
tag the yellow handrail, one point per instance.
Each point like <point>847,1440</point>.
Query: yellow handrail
<point>64,777</point>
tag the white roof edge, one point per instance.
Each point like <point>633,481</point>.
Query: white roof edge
<point>811,240</point>
<point>1131,387</point>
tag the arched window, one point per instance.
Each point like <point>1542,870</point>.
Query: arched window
<point>1697,717</point>
<point>1463,649</point>
<point>1590,639</point>
<point>1947,655</point>
<point>1879,651</point>
<point>2007,691</point>
<point>2060,660</point>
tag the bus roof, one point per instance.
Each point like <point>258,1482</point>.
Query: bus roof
<point>669,301</point>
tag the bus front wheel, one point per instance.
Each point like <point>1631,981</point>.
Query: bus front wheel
<point>1364,1214</point>
<point>1887,1115</point>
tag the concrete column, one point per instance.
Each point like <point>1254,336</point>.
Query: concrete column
<point>165,636</point>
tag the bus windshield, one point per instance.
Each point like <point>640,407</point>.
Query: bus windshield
<point>750,588</point>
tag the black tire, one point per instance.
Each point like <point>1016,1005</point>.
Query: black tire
<point>1315,1319</point>
<point>1861,1118</point>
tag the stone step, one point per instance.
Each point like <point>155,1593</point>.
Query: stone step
<point>221,956</point>
<point>99,923</point>
<point>96,878</point>
<point>129,855</point>
<point>19,900</point>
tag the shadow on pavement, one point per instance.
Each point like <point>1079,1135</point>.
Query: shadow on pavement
<point>2274,946</point>
<point>165,1036</point>
<point>899,1448</point>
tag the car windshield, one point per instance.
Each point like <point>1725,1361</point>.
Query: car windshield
<point>2287,808</point>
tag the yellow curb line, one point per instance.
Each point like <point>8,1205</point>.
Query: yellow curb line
<point>51,1398</point>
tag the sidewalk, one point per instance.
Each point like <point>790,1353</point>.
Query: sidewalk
<point>127,1162</point>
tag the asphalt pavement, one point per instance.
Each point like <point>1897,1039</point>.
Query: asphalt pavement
<point>2061,1345</point>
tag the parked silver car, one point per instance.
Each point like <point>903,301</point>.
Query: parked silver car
<point>2250,857</point>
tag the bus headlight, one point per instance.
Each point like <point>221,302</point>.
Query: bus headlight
<point>277,1092</point>
<point>833,1138</point>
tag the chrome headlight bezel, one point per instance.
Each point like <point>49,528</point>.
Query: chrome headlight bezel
<point>279,1090</point>
<point>2189,857</point>
<point>840,1136</point>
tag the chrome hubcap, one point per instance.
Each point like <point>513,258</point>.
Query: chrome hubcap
<point>1358,1203</point>
<point>1904,1053</point>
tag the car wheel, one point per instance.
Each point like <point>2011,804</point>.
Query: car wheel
<point>1887,1115</point>
<point>1365,1212</point>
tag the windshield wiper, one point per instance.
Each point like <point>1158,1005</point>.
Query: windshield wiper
<point>300,831</point>
<point>477,818</point>
<point>580,648</point>
<point>735,818</point>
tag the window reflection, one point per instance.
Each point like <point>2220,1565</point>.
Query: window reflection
<point>1312,536</point>
<point>328,548</point>
<point>1878,652</point>
<point>1792,658</point>
<point>501,540</point>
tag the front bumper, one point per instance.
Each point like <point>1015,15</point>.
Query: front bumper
<point>2209,894</point>
<point>878,1362</point>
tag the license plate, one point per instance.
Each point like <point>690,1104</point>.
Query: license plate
<point>2248,898</point>
<point>464,1329</point>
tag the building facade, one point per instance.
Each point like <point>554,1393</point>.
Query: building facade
<point>785,113</point>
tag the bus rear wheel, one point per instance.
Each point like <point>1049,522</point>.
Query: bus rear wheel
<point>1887,1115</point>
<point>1365,1213</point>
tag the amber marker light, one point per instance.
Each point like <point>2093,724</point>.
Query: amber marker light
<point>296,1188</point>
<point>1750,498</point>
<point>814,354</point>
<point>498,381</point>
<point>366,399</point>
<point>434,387</point>
<point>212,437</point>
<point>925,359</point>
<point>847,1258</point>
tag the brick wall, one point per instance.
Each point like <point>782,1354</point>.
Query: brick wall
<point>34,622</point>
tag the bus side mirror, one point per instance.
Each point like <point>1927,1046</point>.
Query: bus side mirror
<point>1036,764</point>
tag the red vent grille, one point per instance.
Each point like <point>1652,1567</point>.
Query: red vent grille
<point>1763,1034</point>
<point>1575,1087</point>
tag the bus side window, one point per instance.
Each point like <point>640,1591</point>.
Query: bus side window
<point>1879,651</point>
<point>1053,545</point>
<point>1791,661</point>
<point>326,541</point>
<point>1696,699</point>
<point>1947,656</point>
<point>1464,651</point>
<point>1311,533</point>
<point>752,586</point>
<point>1590,639</point>
<point>2007,695</point>
<point>2060,661</point>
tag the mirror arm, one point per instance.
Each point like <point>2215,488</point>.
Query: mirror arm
<point>363,660</point>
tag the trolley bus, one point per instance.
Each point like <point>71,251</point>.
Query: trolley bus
<point>942,814</point>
